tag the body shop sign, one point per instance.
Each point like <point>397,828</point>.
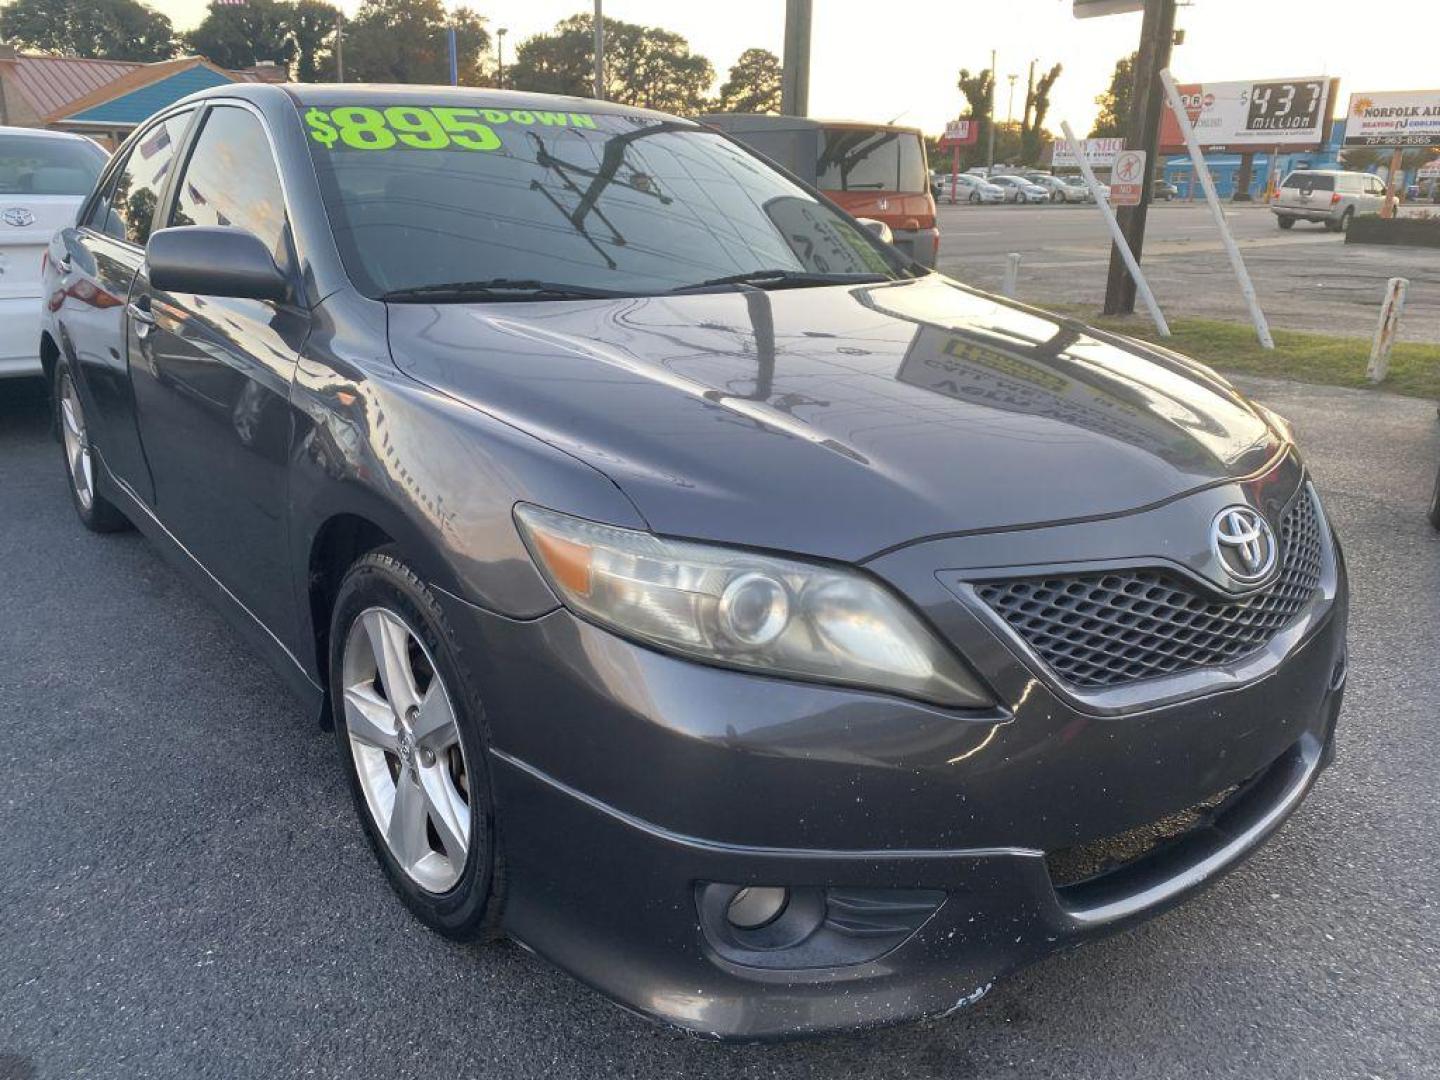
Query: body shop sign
<point>1394,118</point>
<point>1272,112</point>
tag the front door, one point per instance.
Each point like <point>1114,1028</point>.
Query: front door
<point>212,380</point>
<point>100,260</point>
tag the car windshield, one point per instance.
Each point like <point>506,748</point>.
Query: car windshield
<point>871,159</point>
<point>423,196</point>
<point>35,165</point>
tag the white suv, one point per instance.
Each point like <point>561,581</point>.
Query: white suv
<point>1328,196</point>
<point>44,177</point>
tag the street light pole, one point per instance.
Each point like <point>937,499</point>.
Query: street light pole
<point>795,71</point>
<point>991,117</point>
<point>599,52</point>
<point>500,57</point>
<point>1010,108</point>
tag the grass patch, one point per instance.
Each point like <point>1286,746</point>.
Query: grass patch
<point>1307,357</point>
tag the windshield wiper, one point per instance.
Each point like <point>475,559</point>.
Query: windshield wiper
<point>783,279</point>
<point>499,289</point>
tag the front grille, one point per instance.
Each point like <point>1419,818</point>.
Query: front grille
<point>1102,630</point>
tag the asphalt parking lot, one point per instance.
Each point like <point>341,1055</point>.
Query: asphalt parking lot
<point>1307,278</point>
<point>187,894</point>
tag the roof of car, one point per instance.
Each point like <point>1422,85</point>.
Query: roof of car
<point>42,133</point>
<point>334,95</point>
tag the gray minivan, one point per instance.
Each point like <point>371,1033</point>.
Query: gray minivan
<point>1328,196</point>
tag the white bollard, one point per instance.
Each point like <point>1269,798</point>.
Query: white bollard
<point>1388,329</point>
<point>1012,275</point>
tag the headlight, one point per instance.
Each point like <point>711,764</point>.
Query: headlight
<point>744,610</point>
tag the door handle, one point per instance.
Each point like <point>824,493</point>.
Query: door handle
<point>142,317</point>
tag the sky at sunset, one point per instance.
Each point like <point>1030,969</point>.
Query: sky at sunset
<point>875,61</point>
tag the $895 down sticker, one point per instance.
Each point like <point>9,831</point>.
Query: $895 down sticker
<point>416,127</point>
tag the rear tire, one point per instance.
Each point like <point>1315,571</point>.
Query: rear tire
<point>413,742</point>
<point>1286,222</point>
<point>1435,504</point>
<point>96,513</point>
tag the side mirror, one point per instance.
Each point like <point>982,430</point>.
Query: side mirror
<point>213,262</point>
<point>879,228</point>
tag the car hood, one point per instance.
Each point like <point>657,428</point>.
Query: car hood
<point>842,421</point>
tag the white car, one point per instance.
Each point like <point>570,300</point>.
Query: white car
<point>1018,189</point>
<point>44,177</point>
<point>1328,196</point>
<point>1058,189</point>
<point>970,189</point>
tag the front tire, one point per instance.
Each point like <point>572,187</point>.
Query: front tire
<point>1435,504</point>
<point>95,511</point>
<point>1286,222</point>
<point>411,735</point>
<point>974,197</point>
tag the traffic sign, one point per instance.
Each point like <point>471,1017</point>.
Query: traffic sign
<point>1127,178</point>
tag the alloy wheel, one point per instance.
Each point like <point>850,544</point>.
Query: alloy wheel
<point>77,445</point>
<point>406,745</point>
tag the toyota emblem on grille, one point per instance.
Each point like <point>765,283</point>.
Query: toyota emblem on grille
<point>18,216</point>
<point>1244,543</point>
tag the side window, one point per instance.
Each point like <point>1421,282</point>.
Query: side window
<point>231,179</point>
<point>126,209</point>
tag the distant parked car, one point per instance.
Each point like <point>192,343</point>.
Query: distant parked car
<point>1079,191</point>
<point>971,189</point>
<point>1164,190</point>
<point>1058,189</point>
<point>1019,190</point>
<point>1328,196</point>
<point>44,177</point>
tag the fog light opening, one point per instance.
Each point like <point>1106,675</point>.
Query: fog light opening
<point>754,907</point>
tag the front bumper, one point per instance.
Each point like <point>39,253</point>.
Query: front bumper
<point>629,781</point>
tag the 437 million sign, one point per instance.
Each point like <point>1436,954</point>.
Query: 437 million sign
<point>1254,114</point>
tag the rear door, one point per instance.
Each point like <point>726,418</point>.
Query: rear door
<point>43,182</point>
<point>212,378</point>
<point>100,261</point>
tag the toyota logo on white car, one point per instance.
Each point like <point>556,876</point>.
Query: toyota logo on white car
<point>1244,543</point>
<point>18,216</point>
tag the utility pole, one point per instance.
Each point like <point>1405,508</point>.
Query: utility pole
<point>500,57</point>
<point>795,71</point>
<point>990,155</point>
<point>339,46</point>
<point>599,52</point>
<point>1010,108</point>
<point>1147,106</point>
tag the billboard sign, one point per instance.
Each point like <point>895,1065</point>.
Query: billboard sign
<point>960,133</point>
<point>1252,114</point>
<point>1127,178</point>
<point>1394,118</point>
<point>1099,153</point>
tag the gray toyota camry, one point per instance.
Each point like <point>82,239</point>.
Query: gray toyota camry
<point>777,636</point>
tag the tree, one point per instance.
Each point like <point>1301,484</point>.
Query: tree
<point>1114,119</point>
<point>312,33</point>
<point>753,85</point>
<point>644,65</point>
<point>979,91</point>
<point>93,29</point>
<point>237,35</point>
<point>1037,107</point>
<point>405,41</point>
